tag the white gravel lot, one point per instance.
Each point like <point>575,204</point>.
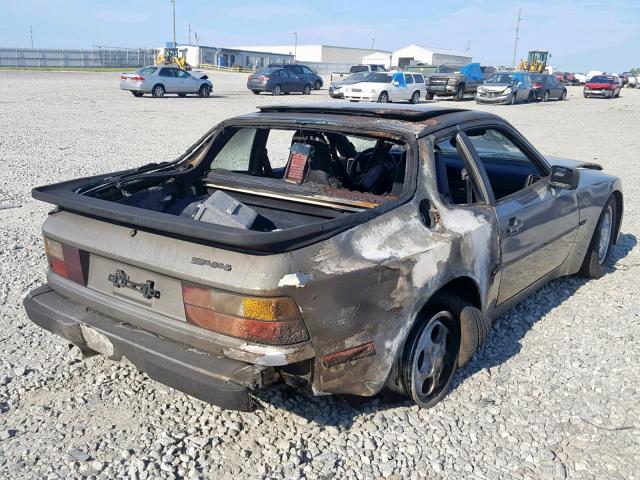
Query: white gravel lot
<point>553,393</point>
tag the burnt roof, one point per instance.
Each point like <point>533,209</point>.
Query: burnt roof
<point>411,113</point>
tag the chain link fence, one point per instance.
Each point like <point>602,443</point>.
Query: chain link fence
<point>77,58</point>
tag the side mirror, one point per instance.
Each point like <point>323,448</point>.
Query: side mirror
<point>564,178</point>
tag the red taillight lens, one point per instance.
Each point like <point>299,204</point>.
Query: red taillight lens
<point>123,77</point>
<point>263,78</point>
<point>68,262</point>
<point>274,321</point>
<point>537,85</point>
<point>137,78</point>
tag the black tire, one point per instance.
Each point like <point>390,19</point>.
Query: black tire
<point>204,91</point>
<point>182,94</point>
<point>158,91</point>
<point>429,96</point>
<point>596,257</point>
<point>256,92</point>
<point>383,97</point>
<point>306,90</point>
<point>459,96</point>
<point>545,96</point>
<point>468,328</point>
<point>137,94</point>
<point>318,85</point>
<point>474,326</point>
<point>276,90</point>
<point>415,98</point>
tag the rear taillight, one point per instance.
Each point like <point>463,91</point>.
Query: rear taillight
<point>68,262</point>
<point>537,85</point>
<point>274,321</point>
<point>137,78</point>
<point>263,78</point>
<point>123,77</point>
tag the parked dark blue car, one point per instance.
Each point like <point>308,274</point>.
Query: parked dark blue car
<point>278,81</point>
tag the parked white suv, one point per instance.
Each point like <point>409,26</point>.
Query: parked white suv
<point>383,87</point>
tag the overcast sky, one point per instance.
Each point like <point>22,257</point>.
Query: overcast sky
<point>581,35</point>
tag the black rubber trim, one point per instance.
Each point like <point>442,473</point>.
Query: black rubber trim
<point>220,381</point>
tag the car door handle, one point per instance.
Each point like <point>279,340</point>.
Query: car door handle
<point>513,227</point>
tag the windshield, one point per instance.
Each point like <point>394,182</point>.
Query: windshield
<point>448,69</point>
<point>310,161</point>
<point>378,78</point>
<point>601,79</point>
<point>266,71</point>
<point>358,77</point>
<point>502,78</point>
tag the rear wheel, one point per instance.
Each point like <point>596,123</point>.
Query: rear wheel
<point>383,97</point>
<point>306,90</point>
<point>545,97</point>
<point>158,91</point>
<point>415,98</point>
<point>204,91</point>
<point>600,246</point>
<point>137,94</point>
<point>276,90</point>
<point>318,85</point>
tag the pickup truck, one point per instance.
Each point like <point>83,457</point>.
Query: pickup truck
<point>338,76</point>
<point>454,81</point>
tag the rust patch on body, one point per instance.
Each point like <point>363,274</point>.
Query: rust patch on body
<point>349,355</point>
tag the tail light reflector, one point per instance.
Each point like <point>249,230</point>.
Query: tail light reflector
<point>68,262</point>
<point>137,78</point>
<point>537,85</point>
<point>274,321</point>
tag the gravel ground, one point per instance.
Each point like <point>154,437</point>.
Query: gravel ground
<point>553,394</point>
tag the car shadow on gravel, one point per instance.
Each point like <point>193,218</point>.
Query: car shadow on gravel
<point>502,344</point>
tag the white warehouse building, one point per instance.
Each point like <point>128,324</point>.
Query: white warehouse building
<point>414,54</point>
<point>324,58</point>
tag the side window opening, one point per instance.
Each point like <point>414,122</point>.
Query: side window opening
<point>236,152</point>
<point>455,185</point>
<point>508,167</point>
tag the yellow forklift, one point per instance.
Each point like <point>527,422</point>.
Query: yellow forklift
<point>536,62</point>
<point>171,56</point>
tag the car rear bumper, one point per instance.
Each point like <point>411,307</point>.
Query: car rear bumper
<point>136,86</point>
<point>258,87</point>
<point>221,381</point>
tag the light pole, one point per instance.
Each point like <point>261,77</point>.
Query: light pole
<point>515,47</point>
<point>373,40</point>
<point>295,46</point>
<point>173,3</point>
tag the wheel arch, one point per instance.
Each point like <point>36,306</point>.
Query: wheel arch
<point>617,195</point>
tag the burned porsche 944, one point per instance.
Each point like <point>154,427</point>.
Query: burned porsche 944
<point>343,249</point>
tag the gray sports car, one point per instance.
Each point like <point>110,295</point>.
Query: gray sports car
<point>159,80</point>
<point>341,248</point>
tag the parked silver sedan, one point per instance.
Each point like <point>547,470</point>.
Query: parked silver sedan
<point>159,80</point>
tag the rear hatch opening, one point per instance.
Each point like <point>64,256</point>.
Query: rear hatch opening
<point>265,179</point>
